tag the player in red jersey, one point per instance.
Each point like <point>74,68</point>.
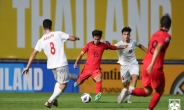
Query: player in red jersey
<point>152,70</point>
<point>94,51</point>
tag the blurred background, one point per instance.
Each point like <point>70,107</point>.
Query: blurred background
<point>21,27</point>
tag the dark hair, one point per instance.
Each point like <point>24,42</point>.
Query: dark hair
<point>165,21</point>
<point>97,33</point>
<point>47,24</point>
<point>126,29</point>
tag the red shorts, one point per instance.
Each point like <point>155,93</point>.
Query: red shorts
<point>155,79</point>
<point>86,73</point>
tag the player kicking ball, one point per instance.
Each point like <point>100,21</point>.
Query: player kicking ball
<point>94,50</point>
<point>152,70</point>
<point>129,64</point>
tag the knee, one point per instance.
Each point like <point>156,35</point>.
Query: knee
<point>148,91</point>
<point>98,78</point>
<point>134,77</point>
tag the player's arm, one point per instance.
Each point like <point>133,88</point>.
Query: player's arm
<point>73,38</point>
<point>155,55</point>
<point>143,48</point>
<point>33,55</point>
<point>78,59</point>
<point>111,47</point>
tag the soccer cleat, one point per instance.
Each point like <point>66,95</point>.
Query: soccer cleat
<point>128,101</point>
<point>49,105</point>
<point>75,84</point>
<point>123,95</point>
<point>55,103</point>
<point>98,96</point>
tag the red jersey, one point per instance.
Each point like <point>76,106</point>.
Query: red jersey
<point>94,54</point>
<point>161,37</point>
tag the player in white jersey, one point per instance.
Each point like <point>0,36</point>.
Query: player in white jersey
<point>52,42</point>
<point>129,64</point>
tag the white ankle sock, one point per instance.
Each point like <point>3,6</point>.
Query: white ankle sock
<point>131,88</point>
<point>56,93</point>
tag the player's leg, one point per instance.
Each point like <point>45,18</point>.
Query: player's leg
<point>146,82</point>
<point>125,75</point>
<point>61,76</point>
<point>97,76</point>
<point>158,82</point>
<point>85,74</point>
<point>134,72</point>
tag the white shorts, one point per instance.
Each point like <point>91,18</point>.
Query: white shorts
<point>128,70</point>
<point>61,74</point>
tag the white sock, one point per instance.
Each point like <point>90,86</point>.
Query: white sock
<point>56,87</point>
<point>131,88</point>
<point>56,93</point>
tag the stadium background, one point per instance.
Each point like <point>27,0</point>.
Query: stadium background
<point>20,28</point>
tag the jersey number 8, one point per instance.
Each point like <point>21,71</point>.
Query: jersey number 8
<point>153,46</point>
<point>52,49</point>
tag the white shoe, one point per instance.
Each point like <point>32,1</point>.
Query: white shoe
<point>122,96</point>
<point>128,101</point>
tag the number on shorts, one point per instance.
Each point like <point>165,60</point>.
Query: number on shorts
<point>153,46</point>
<point>52,49</point>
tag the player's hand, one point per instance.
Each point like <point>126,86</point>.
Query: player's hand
<point>25,71</point>
<point>149,68</point>
<point>77,38</point>
<point>107,42</point>
<point>75,66</point>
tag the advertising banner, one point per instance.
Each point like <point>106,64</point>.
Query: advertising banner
<point>111,81</point>
<point>21,24</point>
<point>38,79</point>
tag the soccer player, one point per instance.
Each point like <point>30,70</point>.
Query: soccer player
<point>94,50</point>
<point>52,42</point>
<point>127,60</point>
<point>152,70</point>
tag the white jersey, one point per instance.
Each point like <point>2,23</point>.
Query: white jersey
<point>127,55</point>
<point>53,46</point>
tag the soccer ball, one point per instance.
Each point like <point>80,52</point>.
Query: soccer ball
<point>85,98</point>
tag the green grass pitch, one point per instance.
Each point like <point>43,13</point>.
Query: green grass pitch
<point>35,101</point>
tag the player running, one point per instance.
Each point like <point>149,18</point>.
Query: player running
<point>127,60</point>
<point>152,70</point>
<point>94,52</point>
<point>52,42</point>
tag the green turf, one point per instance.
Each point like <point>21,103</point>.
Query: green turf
<point>35,101</point>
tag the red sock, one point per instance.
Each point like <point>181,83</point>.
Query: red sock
<point>98,87</point>
<point>154,100</point>
<point>139,92</point>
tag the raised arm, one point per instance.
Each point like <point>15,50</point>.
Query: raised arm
<point>32,57</point>
<point>155,55</point>
<point>143,48</point>
<point>78,59</point>
<point>73,38</point>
